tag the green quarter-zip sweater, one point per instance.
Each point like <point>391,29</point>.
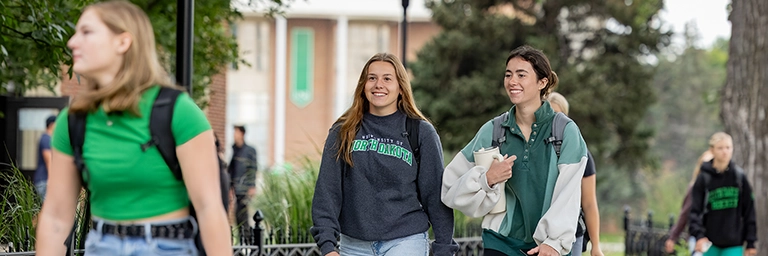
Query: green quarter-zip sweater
<point>543,195</point>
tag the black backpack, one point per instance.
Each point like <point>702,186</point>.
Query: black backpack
<point>161,136</point>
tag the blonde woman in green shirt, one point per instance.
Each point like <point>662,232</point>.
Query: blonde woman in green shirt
<point>138,205</point>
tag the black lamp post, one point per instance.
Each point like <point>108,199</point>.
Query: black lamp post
<point>405,30</point>
<point>185,16</point>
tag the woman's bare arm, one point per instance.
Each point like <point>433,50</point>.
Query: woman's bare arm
<point>200,170</point>
<point>58,214</point>
<point>591,213</point>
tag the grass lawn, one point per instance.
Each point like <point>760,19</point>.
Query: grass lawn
<point>612,238</point>
<point>612,244</point>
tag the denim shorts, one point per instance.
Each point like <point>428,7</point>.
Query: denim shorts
<point>97,244</point>
<point>413,245</point>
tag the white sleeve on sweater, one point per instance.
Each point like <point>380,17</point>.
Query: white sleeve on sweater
<point>465,188</point>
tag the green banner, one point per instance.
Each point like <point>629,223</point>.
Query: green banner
<point>302,66</point>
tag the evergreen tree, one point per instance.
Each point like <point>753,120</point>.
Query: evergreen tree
<point>599,50</point>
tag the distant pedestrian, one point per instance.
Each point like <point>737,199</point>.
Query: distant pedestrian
<point>242,170</point>
<point>44,157</point>
<point>589,219</point>
<point>682,219</point>
<point>723,206</point>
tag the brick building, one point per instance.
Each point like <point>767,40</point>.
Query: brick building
<point>304,68</point>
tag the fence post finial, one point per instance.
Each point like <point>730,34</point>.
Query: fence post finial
<point>626,217</point>
<point>257,230</point>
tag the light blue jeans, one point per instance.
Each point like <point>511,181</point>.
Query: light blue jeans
<point>98,244</point>
<point>576,249</point>
<point>413,245</point>
<point>691,244</point>
<point>40,187</point>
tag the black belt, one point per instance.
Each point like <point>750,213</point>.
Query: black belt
<point>183,230</point>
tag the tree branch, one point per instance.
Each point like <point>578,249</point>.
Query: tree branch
<point>26,35</point>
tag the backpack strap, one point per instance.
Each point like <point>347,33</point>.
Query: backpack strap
<point>707,178</point>
<point>76,125</point>
<point>739,177</point>
<point>412,132</point>
<point>498,131</point>
<point>558,129</point>
<point>160,131</point>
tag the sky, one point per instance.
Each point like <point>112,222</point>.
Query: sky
<point>710,17</point>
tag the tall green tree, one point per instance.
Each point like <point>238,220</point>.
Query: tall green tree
<point>34,34</point>
<point>33,42</point>
<point>598,49</point>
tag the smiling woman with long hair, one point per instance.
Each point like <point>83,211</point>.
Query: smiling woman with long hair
<point>371,190</point>
<point>542,190</point>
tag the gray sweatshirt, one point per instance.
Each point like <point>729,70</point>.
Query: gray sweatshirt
<point>383,196</point>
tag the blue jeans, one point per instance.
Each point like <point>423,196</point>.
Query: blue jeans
<point>691,244</point>
<point>97,244</point>
<point>413,245</point>
<point>40,188</point>
<point>576,249</point>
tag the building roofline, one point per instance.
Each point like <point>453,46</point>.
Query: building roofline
<point>387,10</point>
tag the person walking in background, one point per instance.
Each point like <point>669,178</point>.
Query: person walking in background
<point>682,218</point>
<point>220,153</point>
<point>44,158</point>
<point>542,191</point>
<point>242,170</point>
<point>722,204</point>
<point>590,214</point>
<point>372,189</point>
<point>138,206</point>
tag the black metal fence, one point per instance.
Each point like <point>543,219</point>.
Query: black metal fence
<point>255,241</point>
<point>645,237</point>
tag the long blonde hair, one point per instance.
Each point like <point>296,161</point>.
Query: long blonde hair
<point>559,100</point>
<point>705,157</point>
<point>140,69</point>
<point>352,118</point>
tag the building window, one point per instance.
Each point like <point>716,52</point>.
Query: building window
<point>233,28</point>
